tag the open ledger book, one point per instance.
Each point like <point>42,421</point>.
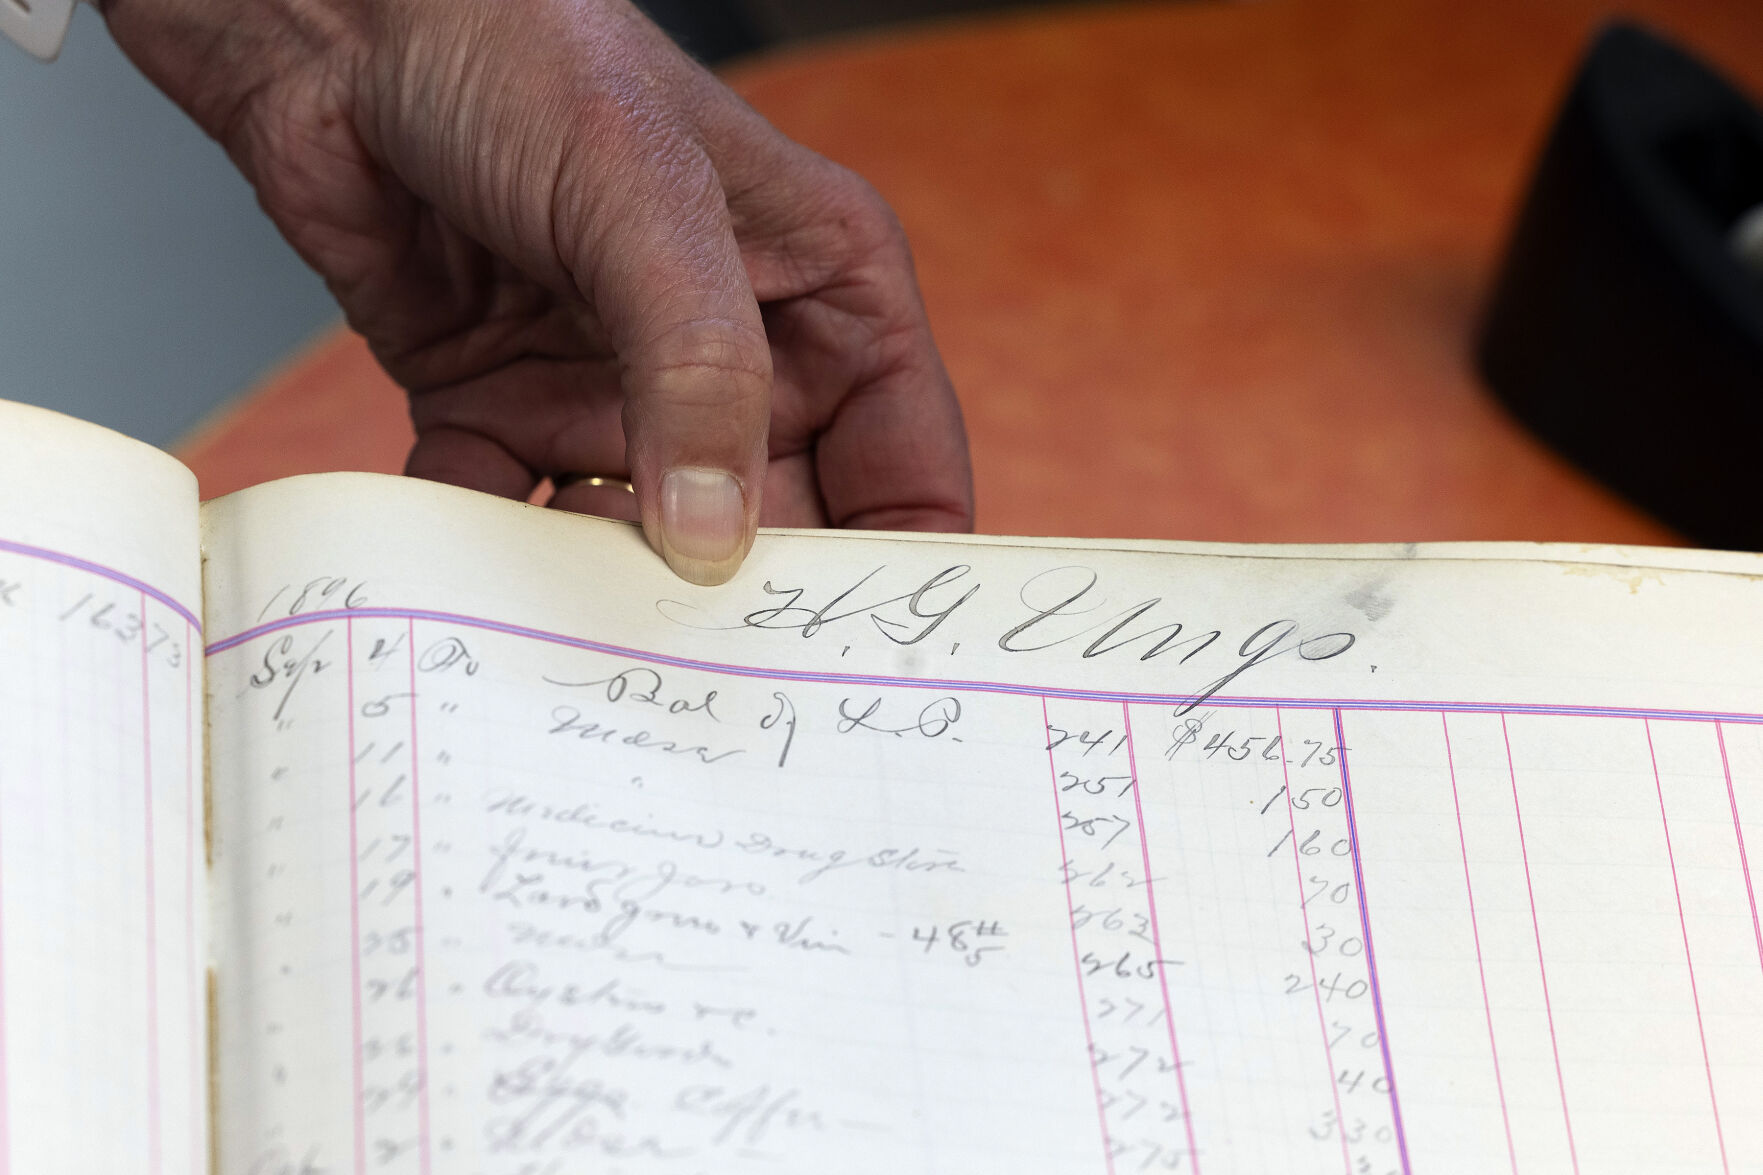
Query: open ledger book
<point>894,855</point>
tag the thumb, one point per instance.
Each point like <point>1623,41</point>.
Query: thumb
<point>695,370</point>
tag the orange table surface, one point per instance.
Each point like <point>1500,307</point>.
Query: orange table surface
<point>1204,271</point>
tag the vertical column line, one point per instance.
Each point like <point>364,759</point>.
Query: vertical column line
<point>153,1124</point>
<point>1739,832</point>
<point>1475,932</point>
<point>424,1158</point>
<point>1334,1088</point>
<point>1537,934</point>
<point>1683,928</point>
<point>1383,1036</point>
<point>354,909</point>
<point>193,832</point>
<point>1083,1001</point>
<point>1181,1083</point>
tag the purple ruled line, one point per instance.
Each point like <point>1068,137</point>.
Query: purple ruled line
<point>1383,1036</point>
<point>99,569</point>
<point>1059,693</point>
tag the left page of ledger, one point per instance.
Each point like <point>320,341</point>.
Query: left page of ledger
<point>103,950</point>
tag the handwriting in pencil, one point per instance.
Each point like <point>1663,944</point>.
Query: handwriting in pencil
<point>288,662</point>
<point>642,685</point>
<point>636,950</point>
<point>933,720</point>
<point>320,594</point>
<point>569,720</point>
<point>905,617</point>
<point>93,611</point>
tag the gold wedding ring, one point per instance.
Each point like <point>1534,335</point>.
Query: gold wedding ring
<point>563,481</point>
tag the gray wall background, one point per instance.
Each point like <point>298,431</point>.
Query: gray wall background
<point>140,287</point>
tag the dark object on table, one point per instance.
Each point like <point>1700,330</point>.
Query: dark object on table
<point>1626,328</point>
<point>716,31</point>
<point>710,30</point>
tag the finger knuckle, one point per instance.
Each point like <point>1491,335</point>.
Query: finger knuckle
<point>861,216</point>
<point>707,362</point>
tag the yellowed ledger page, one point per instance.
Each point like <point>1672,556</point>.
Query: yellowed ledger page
<point>929,856</point>
<point>102,891</point>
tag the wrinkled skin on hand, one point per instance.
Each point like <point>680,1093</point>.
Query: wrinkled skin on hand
<point>581,253</point>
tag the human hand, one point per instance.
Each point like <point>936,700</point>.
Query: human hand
<point>581,253</point>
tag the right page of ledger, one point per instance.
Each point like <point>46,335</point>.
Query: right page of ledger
<point>953,857</point>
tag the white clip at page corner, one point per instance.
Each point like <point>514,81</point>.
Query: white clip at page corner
<point>38,26</point>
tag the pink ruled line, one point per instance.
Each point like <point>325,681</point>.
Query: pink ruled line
<point>197,984</point>
<point>1689,963</point>
<point>354,912</point>
<point>1475,932</point>
<point>422,1013</point>
<point>1536,932</point>
<point>1739,832</point>
<point>1083,1000</point>
<point>154,1157</point>
<point>1181,1081</point>
<point>1334,1088</point>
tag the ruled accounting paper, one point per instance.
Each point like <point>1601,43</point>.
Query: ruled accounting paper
<point>948,880</point>
<point>103,898</point>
